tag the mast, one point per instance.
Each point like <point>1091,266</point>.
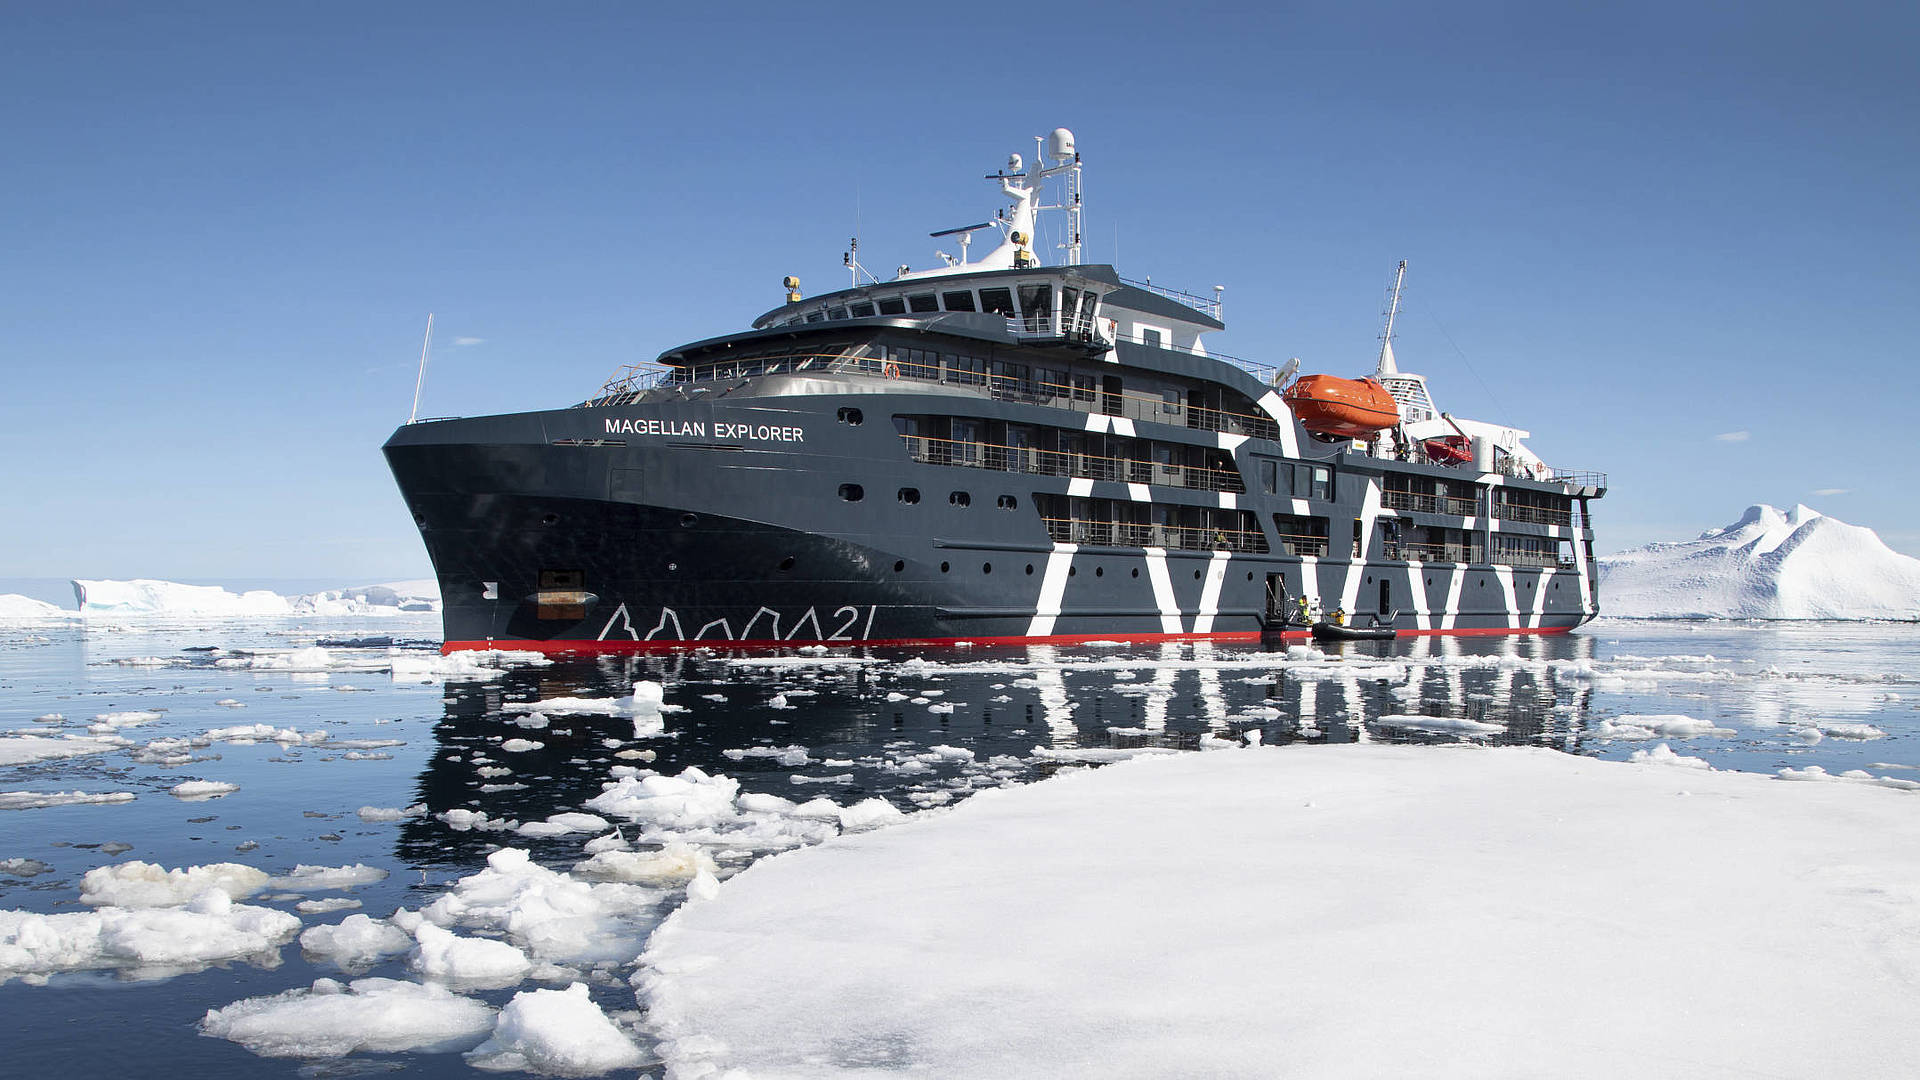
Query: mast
<point>421,379</point>
<point>1386,365</point>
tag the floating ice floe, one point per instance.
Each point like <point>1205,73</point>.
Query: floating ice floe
<point>147,597</point>
<point>1664,755</point>
<point>137,884</point>
<point>675,864</point>
<point>326,905</point>
<point>381,1016</point>
<point>23,749</point>
<point>562,824</point>
<point>149,942</point>
<point>560,1032</point>
<point>358,941</point>
<point>1036,895</point>
<point>390,813</point>
<point>1668,725</point>
<point>1460,724</point>
<point>304,878</point>
<point>554,918</point>
<point>466,961</point>
<point>788,756</point>
<point>24,867</point>
<point>40,800</point>
<point>465,664</point>
<point>201,790</point>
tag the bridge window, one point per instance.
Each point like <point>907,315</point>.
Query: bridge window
<point>923,302</point>
<point>837,313</point>
<point>862,310</point>
<point>958,301</point>
<point>1150,338</point>
<point>893,305</point>
<point>998,301</point>
<point>1037,302</point>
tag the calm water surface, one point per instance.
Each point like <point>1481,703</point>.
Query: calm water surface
<point>1775,695</point>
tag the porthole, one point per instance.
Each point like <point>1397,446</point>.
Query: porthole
<point>1030,572</point>
<point>1099,571</point>
<point>899,566</point>
<point>673,566</point>
<point>549,518</point>
<point>1369,579</point>
<point>1429,581</point>
<point>851,417</point>
<point>1008,502</point>
<point>688,521</point>
<point>943,568</point>
<point>986,568</point>
<point>786,563</point>
<point>960,498</point>
<point>852,492</point>
<point>420,520</point>
<point>1249,575</point>
<point>909,496</point>
<point>1556,584</point>
<point>1196,575</point>
<point>1136,571</point>
<point>1073,571</point>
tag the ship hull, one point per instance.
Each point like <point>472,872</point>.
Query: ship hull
<point>543,541</point>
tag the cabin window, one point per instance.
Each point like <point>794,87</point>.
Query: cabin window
<point>1083,388</point>
<point>861,310</point>
<point>1170,401</point>
<point>967,369</point>
<point>1269,476</point>
<point>960,498</point>
<point>1008,502</point>
<point>852,492</point>
<point>1150,338</point>
<point>837,313</point>
<point>1312,482</point>
<point>1037,302</point>
<point>923,302</point>
<point>998,301</point>
<point>893,305</point>
<point>909,496</point>
<point>851,417</point>
<point>958,301</point>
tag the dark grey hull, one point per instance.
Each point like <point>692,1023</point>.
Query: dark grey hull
<point>712,521</point>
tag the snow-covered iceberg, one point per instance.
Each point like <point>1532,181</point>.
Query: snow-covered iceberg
<point>147,596</point>
<point>1771,564</point>
<point>17,608</point>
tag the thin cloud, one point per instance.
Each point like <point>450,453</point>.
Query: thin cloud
<point>469,341</point>
<point>1831,491</point>
<point>1733,436</point>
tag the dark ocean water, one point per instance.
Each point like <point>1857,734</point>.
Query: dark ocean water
<point>1839,696</point>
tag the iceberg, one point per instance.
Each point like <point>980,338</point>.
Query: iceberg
<point>149,596</point>
<point>1771,564</point>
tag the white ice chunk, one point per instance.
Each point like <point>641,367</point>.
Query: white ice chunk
<point>468,961</point>
<point>201,790</point>
<point>150,941</point>
<point>37,800</point>
<point>137,884</point>
<point>304,878</point>
<point>560,1032</point>
<point>381,1016</point>
<point>356,941</point>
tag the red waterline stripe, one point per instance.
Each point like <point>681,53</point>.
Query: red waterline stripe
<point>600,647</point>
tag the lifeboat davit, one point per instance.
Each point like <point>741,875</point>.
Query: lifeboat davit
<point>1349,408</point>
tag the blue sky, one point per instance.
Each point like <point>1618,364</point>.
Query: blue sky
<point>1674,241</point>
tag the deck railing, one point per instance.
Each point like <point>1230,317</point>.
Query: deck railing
<point>1533,515</point>
<point>1026,459</point>
<point>1302,545</point>
<point>1132,534</point>
<point>1429,504</point>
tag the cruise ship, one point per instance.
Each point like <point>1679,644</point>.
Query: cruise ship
<point>992,450</point>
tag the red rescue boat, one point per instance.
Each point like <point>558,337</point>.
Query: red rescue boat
<point>1449,450</point>
<point>1349,408</point>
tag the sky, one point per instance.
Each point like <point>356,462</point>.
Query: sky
<point>1673,241</point>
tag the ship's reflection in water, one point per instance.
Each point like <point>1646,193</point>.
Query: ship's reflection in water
<point>926,728</point>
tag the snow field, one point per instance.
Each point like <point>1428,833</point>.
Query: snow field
<point>1467,893</point>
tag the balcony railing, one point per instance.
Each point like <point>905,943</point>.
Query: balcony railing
<point>1533,515</point>
<point>1429,504</point>
<point>1130,534</point>
<point>1302,545</point>
<point>1026,459</point>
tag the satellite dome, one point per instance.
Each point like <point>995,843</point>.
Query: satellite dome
<point>1060,145</point>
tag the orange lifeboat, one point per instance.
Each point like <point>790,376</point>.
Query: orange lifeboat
<point>1348,408</point>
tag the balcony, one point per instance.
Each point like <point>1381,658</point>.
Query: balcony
<point>1177,537</point>
<point>1429,504</point>
<point>1024,459</point>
